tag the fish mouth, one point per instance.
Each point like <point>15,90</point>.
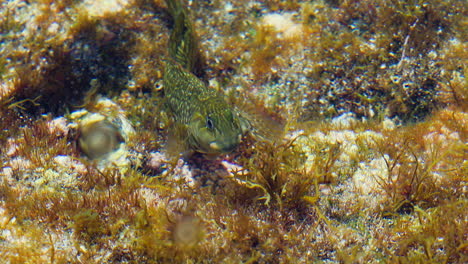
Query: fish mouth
<point>222,148</point>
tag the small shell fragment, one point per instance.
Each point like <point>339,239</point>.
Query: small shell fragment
<point>99,138</point>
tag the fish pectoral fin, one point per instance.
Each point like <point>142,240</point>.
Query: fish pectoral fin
<point>176,139</point>
<point>174,145</point>
<point>245,125</point>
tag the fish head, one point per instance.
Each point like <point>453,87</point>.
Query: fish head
<point>215,132</point>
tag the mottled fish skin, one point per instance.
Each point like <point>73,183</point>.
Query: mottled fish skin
<point>203,119</point>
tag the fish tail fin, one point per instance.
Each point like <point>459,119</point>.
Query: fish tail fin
<point>183,44</point>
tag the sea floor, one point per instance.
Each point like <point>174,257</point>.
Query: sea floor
<point>357,151</point>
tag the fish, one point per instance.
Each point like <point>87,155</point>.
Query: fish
<point>204,122</point>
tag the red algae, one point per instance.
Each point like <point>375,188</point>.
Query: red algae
<point>369,165</point>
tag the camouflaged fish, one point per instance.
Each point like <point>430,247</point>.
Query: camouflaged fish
<point>203,119</point>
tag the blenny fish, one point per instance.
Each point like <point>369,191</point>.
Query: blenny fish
<point>204,121</point>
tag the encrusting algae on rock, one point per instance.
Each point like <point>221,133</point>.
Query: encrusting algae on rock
<point>371,166</point>
<point>202,117</point>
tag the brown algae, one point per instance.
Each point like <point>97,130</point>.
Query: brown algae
<point>370,167</point>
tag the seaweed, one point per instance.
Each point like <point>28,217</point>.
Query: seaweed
<point>369,164</point>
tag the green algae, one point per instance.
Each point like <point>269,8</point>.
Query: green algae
<point>339,190</point>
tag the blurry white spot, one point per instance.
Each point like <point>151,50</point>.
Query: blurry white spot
<point>101,8</point>
<point>283,24</point>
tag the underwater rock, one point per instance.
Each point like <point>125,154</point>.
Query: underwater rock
<point>102,135</point>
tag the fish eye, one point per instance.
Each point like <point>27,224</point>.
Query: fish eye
<point>209,123</point>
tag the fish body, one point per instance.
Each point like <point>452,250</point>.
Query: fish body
<point>201,116</point>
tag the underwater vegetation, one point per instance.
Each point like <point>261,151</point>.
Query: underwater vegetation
<point>368,164</point>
